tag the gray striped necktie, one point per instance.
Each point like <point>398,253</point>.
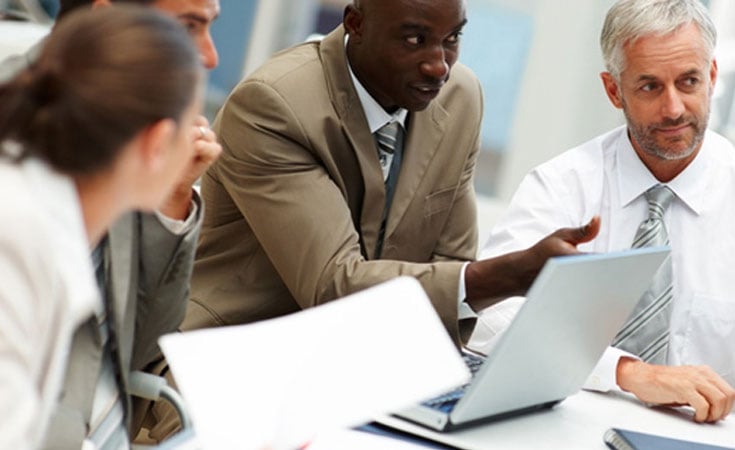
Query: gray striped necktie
<point>646,333</point>
<point>386,138</point>
<point>107,429</point>
<point>390,152</point>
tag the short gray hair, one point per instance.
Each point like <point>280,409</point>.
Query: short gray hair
<point>629,20</point>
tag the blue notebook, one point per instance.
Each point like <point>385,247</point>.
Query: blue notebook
<point>619,439</point>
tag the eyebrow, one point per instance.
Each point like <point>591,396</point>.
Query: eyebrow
<point>691,72</point>
<point>646,78</point>
<point>685,74</point>
<point>195,17</point>
<point>424,28</point>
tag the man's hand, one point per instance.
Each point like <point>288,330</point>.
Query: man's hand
<point>697,386</point>
<point>490,280</point>
<point>206,151</point>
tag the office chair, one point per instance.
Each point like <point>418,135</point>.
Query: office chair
<point>153,387</point>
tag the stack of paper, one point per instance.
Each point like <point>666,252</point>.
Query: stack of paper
<point>282,382</point>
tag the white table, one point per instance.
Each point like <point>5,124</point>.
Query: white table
<point>579,422</point>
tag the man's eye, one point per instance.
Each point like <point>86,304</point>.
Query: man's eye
<point>454,38</point>
<point>648,87</point>
<point>190,26</point>
<point>691,81</point>
<point>414,40</point>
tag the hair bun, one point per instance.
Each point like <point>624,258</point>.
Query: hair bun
<point>44,86</point>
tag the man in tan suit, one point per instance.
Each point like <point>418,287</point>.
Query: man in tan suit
<point>295,205</point>
<point>296,202</point>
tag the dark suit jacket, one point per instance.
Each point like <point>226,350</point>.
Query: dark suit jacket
<point>296,200</point>
<point>148,271</point>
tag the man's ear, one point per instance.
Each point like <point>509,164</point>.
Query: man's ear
<point>352,21</point>
<point>155,141</point>
<point>713,75</point>
<point>612,89</point>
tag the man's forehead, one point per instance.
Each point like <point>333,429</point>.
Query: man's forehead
<point>416,13</point>
<point>410,4</point>
<point>207,8</point>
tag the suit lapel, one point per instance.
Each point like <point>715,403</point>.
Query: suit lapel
<point>423,138</point>
<point>354,123</point>
<point>120,257</point>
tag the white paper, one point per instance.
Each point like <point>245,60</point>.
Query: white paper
<point>279,383</point>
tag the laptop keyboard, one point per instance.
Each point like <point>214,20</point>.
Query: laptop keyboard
<point>446,402</point>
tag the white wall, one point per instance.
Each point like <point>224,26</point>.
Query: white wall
<point>723,113</point>
<point>561,101</point>
<point>278,25</point>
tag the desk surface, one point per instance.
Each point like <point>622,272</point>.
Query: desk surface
<point>579,423</point>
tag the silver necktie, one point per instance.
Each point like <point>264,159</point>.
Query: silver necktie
<point>390,151</point>
<point>646,333</point>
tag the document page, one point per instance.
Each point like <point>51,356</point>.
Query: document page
<point>280,383</point>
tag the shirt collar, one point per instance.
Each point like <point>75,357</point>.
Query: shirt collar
<point>634,178</point>
<point>375,114</point>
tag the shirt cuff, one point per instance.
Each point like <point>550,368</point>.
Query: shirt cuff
<point>602,378</point>
<point>464,311</point>
<point>179,227</point>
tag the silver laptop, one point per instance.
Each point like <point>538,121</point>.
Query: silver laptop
<point>572,312</point>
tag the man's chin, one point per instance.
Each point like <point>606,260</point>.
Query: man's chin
<point>674,153</point>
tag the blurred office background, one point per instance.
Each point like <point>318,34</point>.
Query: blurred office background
<point>538,61</point>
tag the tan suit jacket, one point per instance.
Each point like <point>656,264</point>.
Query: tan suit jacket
<point>295,203</point>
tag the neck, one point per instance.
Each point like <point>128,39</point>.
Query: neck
<point>665,170</point>
<point>660,167</point>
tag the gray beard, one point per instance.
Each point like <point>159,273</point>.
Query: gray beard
<point>647,143</point>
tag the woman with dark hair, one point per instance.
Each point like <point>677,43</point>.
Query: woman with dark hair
<point>99,125</point>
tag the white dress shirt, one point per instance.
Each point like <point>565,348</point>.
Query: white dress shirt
<point>47,289</point>
<point>605,176</point>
